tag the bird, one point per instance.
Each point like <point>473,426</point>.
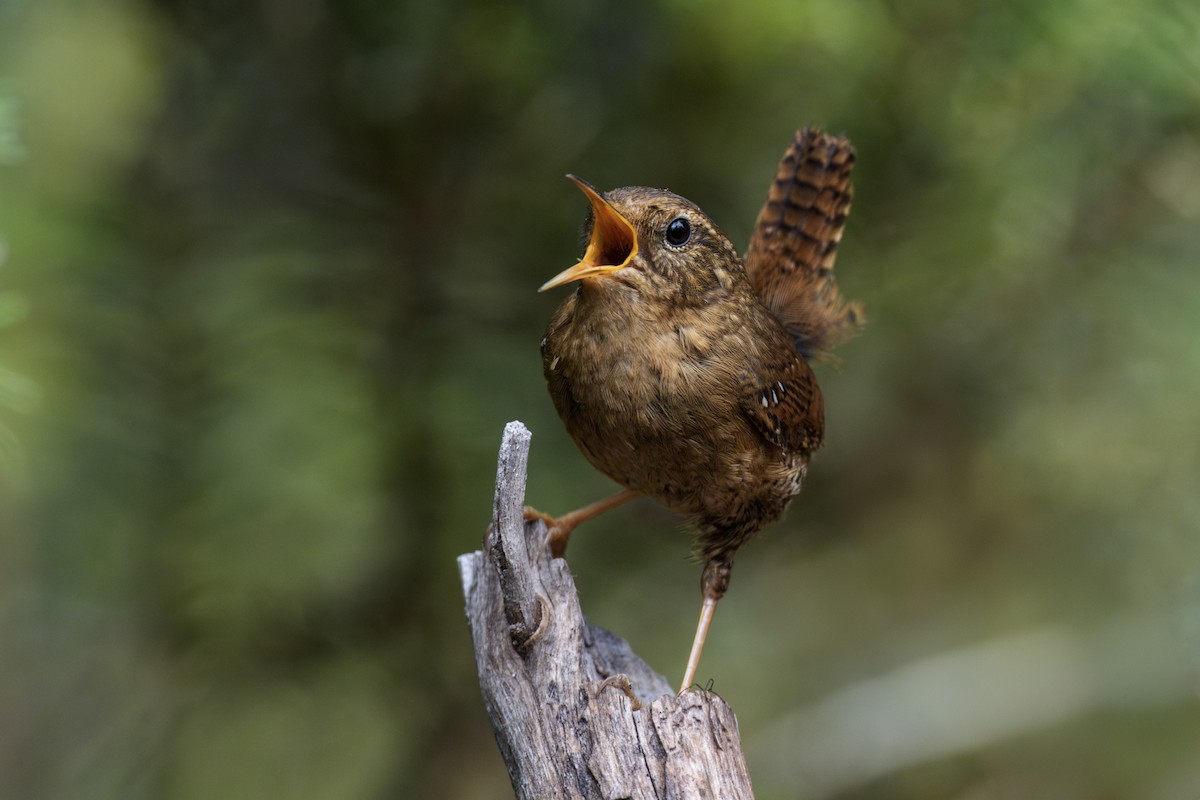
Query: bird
<point>681,370</point>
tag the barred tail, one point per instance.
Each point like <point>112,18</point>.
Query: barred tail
<point>794,245</point>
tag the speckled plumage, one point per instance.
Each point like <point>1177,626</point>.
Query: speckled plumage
<point>659,371</point>
<point>680,370</point>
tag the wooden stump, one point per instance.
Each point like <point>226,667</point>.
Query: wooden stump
<point>559,691</point>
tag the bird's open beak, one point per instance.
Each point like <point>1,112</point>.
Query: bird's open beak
<point>613,245</point>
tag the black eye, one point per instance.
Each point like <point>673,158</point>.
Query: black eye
<point>679,230</point>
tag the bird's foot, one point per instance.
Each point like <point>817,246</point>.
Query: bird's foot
<point>560,527</point>
<point>621,682</point>
<point>558,530</point>
<point>696,687</point>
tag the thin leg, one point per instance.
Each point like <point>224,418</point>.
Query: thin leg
<point>706,615</point>
<point>713,584</point>
<point>561,527</point>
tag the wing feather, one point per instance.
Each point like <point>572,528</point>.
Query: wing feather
<point>785,405</point>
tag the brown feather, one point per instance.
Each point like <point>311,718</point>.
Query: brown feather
<point>681,371</point>
<point>794,244</point>
<point>785,405</point>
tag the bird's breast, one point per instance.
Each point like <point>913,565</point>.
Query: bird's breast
<point>654,403</point>
<point>645,377</point>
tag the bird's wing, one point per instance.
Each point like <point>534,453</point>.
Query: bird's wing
<point>783,402</point>
<point>794,244</point>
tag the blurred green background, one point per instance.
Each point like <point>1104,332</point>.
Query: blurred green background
<point>268,298</point>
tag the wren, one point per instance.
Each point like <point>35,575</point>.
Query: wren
<point>681,370</point>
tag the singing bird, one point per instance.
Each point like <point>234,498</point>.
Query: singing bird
<point>681,370</point>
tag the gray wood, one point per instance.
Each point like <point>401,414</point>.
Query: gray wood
<point>552,684</point>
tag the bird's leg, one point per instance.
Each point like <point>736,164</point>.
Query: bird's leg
<point>713,584</point>
<point>561,527</point>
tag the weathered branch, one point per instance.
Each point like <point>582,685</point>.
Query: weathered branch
<point>559,692</point>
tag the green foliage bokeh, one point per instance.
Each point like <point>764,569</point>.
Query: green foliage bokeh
<point>267,298</point>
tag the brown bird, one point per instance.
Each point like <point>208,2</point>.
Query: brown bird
<point>681,370</point>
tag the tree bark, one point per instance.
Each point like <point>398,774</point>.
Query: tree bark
<point>560,693</point>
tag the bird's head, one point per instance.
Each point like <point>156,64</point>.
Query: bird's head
<point>655,242</point>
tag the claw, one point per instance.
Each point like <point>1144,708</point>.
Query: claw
<point>558,533</point>
<point>621,682</point>
<point>560,527</point>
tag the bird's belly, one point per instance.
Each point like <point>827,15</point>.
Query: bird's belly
<point>673,429</point>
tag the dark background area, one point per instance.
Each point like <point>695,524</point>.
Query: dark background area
<point>268,280</point>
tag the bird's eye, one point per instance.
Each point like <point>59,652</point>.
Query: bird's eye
<point>679,230</point>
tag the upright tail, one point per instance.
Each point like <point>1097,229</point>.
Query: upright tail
<point>794,244</point>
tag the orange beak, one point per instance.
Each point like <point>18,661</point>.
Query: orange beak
<point>613,244</point>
